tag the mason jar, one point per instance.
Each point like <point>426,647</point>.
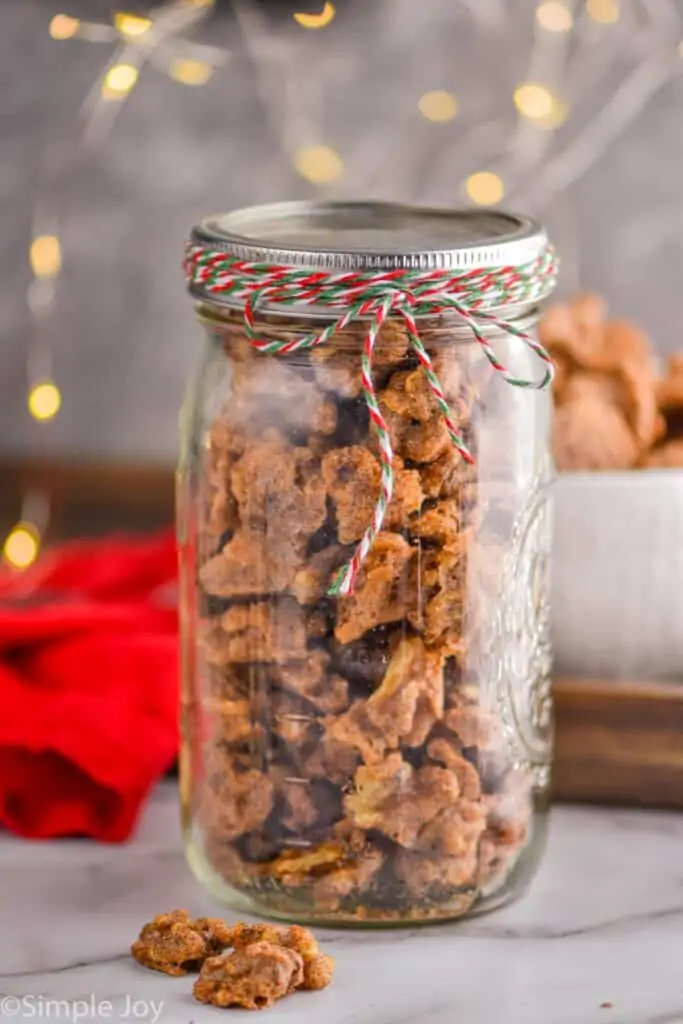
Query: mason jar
<point>364,528</point>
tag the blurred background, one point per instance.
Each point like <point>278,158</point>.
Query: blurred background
<point>123,127</point>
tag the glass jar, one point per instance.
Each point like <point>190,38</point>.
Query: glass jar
<point>378,756</point>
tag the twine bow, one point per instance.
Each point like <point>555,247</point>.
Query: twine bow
<point>372,296</point>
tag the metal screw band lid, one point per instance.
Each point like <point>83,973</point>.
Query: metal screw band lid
<point>369,236</point>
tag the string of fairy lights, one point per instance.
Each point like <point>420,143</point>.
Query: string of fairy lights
<point>157,39</point>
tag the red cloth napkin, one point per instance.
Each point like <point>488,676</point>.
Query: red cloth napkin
<point>88,686</point>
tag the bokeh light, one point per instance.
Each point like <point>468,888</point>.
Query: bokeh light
<point>45,256</point>
<point>119,80</point>
<point>438,105</point>
<point>319,164</point>
<point>64,27</point>
<point>131,25</point>
<point>554,16</point>
<point>316,20</point>
<point>485,188</point>
<point>606,12</point>
<point>533,100</point>
<point>21,546</point>
<point>190,72</point>
<point>44,400</point>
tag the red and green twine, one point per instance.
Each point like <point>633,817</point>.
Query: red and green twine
<point>477,296</point>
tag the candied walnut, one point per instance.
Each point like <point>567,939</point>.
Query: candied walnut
<point>253,563</point>
<point>263,631</point>
<point>473,726</point>
<point>347,739</point>
<point>411,697</point>
<point>234,802</point>
<point>337,366</point>
<point>230,863</point>
<point>408,393</point>
<point>318,973</point>
<point>498,850</point>
<point>311,582</point>
<point>281,486</point>
<point>416,441</point>
<point>295,867</point>
<point>448,752</point>
<point>234,721</point>
<point>310,679</point>
<point>618,356</point>
<point>301,811</point>
<point>225,445</point>
<point>270,392</point>
<point>666,456</point>
<point>353,878</point>
<point>590,434</point>
<point>215,932</point>
<point>253,976</point>
<point>574,329</point>
<point>441,522</point>
<point>224,681</point>
<point>455,832</point>
<point>450,476</point>
<point>438,578</point>
<point>670,389</point>
<point>173,944</point>
<point>397,800</point>
<point>382,590</point>
<point>318,968</point>
<point>422,875</point>
<point>337,369</point>
<point>352,477</point>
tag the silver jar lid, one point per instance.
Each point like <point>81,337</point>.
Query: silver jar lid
<point>343,235</point>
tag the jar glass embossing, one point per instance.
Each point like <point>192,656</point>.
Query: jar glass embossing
<point>364,529</point>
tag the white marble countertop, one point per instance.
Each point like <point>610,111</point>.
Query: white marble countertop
<point>602,924</point>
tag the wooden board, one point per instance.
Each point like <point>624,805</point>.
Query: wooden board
<point>615,742</point>
<point>619,742</point>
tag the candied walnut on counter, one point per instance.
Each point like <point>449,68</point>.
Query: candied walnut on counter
<point>397,800</point>
<point>410,698</point>
<point>253,976</point>
<point>318,968</point>
<point>174,944</point>
<point>382,590</point>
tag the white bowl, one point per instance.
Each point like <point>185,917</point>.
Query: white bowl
<point>617,595</point>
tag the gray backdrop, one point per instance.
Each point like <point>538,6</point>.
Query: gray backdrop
<point>118,333</point>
